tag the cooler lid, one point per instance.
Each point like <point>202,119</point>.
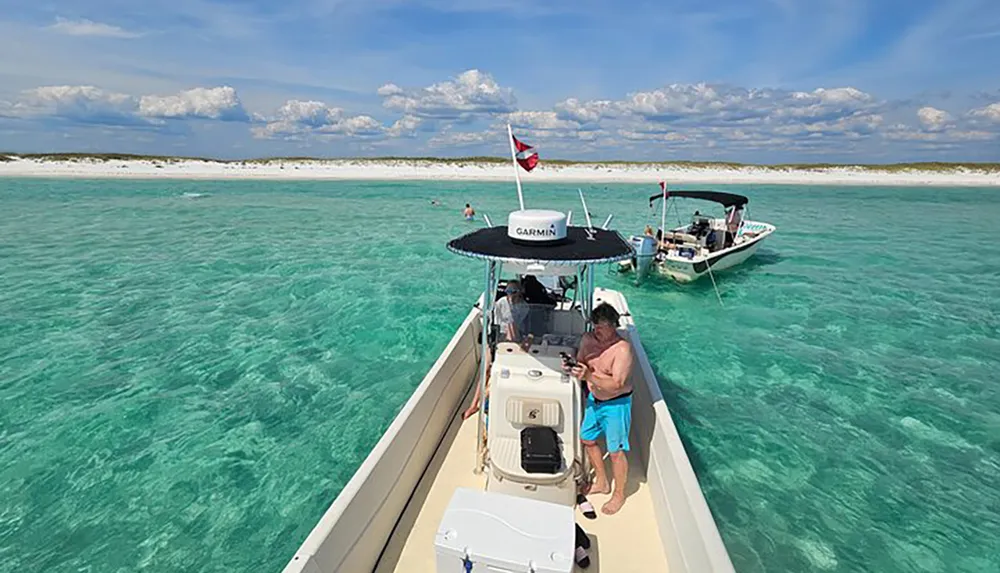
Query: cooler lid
<point>508,532</point>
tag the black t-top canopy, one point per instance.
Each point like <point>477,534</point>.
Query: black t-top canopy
<point>726,199</point>
<point>576,249</point>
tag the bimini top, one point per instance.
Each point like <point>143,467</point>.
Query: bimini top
<point>494,243</point>
<point>726,199</point>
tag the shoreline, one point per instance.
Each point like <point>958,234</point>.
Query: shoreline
<point>471,170</point>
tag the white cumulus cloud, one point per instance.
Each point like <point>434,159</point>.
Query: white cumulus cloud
<point>548,126</point>
<point>586,112</point>
<point>649,136</point>
<point>933,119</point>
<point>699,113</point>
<point>389,90</point>
<point>91,104</point>
<point>297,119</point>
<point>220,103</point>
<point>695,116</point>
<point>679,101</point>
<point>468,113</point>
<point>989,113</point>
<point>83,103</point>
<point>541,120</point>
<point>405,126</point>
<point>471,93</point>
<point>950,135</point>
<point>86,27</point>
<point>721,105</point>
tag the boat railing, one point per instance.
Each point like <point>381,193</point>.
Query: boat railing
<point>753,227</point>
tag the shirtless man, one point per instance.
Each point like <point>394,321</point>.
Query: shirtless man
<point>605,363</point>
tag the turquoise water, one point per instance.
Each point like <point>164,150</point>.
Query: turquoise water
<point>186,384</point>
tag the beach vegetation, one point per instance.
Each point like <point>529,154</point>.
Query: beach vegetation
<point>485,160</point>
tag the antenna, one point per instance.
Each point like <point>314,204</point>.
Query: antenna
<point>607,221</point>
<point>487,219</point>
<point>590,225</point>
<point>585,211</point>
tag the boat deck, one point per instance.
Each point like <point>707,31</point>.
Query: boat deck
<point>621,543</point>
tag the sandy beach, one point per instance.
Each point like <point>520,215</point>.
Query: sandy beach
<point>374,169</point>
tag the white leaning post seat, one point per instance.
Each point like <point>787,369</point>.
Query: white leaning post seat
<point>529,389</point>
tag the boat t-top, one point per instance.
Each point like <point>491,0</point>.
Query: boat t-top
<point>442,492</point>
<point>704,245</point>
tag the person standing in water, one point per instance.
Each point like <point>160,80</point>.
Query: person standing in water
<point>469,212</point>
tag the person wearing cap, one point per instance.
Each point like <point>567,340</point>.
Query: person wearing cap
<point>604,362</point>
<point>510,313</point>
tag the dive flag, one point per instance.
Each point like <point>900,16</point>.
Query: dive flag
<point>663,186</point>
<point>527,156</point>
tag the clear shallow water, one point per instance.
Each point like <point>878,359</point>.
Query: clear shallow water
<point>186,384</point>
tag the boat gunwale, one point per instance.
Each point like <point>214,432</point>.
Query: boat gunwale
<point>708,529</point>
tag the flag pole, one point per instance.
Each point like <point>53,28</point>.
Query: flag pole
<point>513,158</point>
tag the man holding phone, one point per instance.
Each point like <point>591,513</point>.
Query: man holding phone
<point>604,363</point>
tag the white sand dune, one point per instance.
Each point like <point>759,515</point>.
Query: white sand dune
<point>346,169</point>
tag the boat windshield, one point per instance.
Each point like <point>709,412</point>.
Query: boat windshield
<point>546,324</point>
<point>551,323</point>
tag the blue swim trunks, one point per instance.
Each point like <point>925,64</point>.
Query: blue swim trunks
<point>612,418</point>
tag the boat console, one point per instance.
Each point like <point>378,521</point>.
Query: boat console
<point>533,401</point>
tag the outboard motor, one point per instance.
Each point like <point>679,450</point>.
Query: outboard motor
<point>645,252</point>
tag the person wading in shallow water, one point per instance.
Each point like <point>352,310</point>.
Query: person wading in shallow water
<point>604,362</point>
<point>469,213</point>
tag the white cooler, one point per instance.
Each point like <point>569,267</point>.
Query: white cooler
<point>499,533</point>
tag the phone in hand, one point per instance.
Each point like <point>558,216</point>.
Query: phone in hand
<point>568,360</point>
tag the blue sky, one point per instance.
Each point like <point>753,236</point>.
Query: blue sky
<point>742,80</point>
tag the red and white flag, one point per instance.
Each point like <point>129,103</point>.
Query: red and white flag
<point>527,156</point>
<point>663,186</point>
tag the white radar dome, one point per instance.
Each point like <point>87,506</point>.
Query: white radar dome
<point>536,225</point>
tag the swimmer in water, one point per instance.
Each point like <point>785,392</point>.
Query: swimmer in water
<point>469,212</point>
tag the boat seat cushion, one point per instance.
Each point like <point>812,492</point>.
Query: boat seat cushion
<point>533,412</point>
